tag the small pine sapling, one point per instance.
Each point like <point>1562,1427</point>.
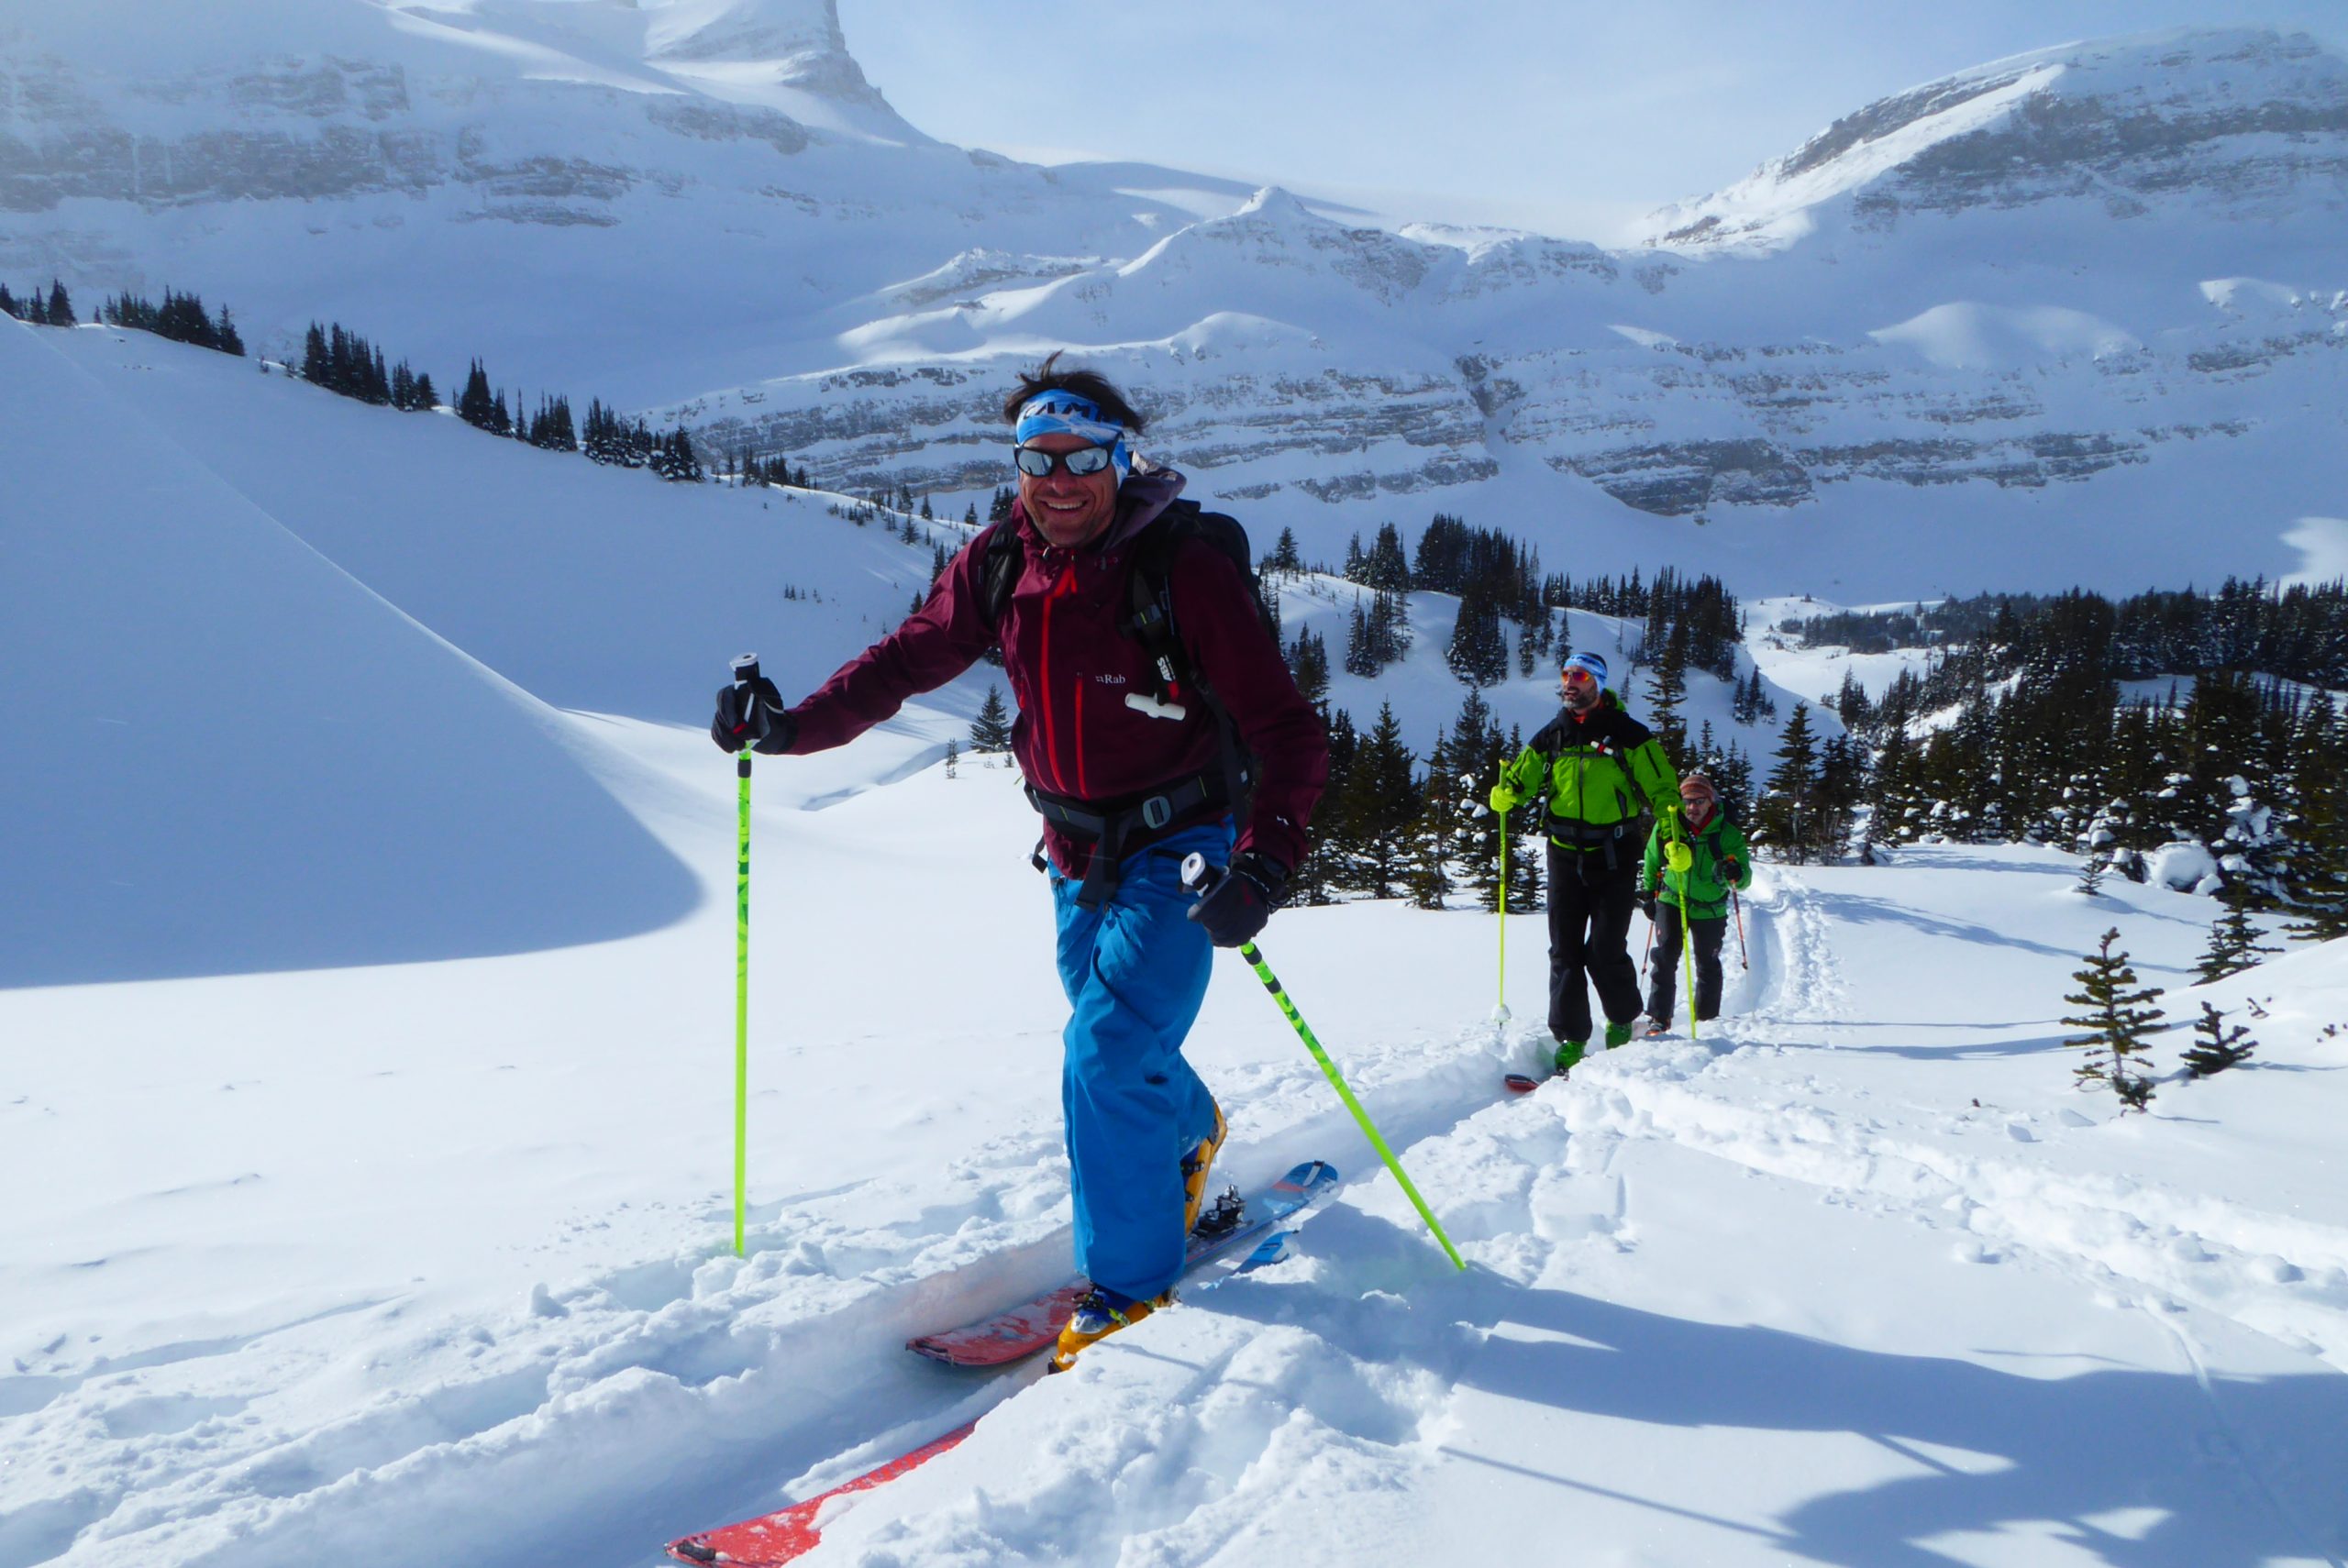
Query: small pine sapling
<point>2091,874</point>
<point>2215,1047</point>
<point>2114,1012</point>
<point>2234,944</point>
<point>953,756</point>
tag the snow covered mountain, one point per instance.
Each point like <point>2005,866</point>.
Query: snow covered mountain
<point>366,1020</point>
<point>2075,317</point>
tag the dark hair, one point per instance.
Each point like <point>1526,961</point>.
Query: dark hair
<point>1090,384</point>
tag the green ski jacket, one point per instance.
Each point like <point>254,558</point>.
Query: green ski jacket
<point>1707,879</point>
<point>1592,771</point>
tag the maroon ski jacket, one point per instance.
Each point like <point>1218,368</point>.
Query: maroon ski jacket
<point>1071,668</point>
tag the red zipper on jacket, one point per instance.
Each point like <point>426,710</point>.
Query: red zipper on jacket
<point>1061,588</point>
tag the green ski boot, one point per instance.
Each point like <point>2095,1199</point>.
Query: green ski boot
<point>1568,1053</point>
<point>1617,1035</point>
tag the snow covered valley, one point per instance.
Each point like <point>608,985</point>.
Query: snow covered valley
<point>365,1097</point>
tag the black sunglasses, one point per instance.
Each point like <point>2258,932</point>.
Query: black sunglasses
<point>1036,463</point>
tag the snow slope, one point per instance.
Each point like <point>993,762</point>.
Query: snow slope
<point>379,1262</point>
<point>231,754</point>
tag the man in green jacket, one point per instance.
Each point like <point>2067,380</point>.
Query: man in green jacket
<point>1695,900</point>
<point>1592,767</point>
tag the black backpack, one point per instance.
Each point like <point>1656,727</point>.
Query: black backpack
<point>1150,619</point>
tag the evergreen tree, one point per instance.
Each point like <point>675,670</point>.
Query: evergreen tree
<point>1284,557</point>
<point>1442,816</point>
<point>1841,786</point>
<point>2216,1047</point>
<point>1385,569</point>
<point>1732,774</point>
<point>952,757</point>
<point>475,405</point>
<point>991,730</point>
<point>1358,643</point>
<point>1667,690</point>
<point>1785,822</point>
<point>1478,652</point>
<point>2119,1023</point>
<point>2234,941</point>
<point>61,306</point>
<point>1380,809</point>
<point>1314,879</point>
<point>1307,661</point>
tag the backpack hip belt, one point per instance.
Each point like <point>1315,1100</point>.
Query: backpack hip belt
<point>1581,835</point>
<point>1106,826</point>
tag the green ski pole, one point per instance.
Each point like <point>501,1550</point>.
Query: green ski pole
<point>1500,1012</point>
<point>746,670</point>
<point>1197,874</point>
<point>1683,864</point>
<point>1688,959</point>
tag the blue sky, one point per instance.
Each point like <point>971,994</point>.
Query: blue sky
<point>1573,118</point>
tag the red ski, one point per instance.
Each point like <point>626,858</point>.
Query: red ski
<point>778,1538</point>
<point>1256,1233</point>
<point>1251,1240</point>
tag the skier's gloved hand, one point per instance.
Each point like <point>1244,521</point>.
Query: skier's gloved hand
<point>1734,868</point>
<point>752,715</point>
<point>1646,907</point>
<point>1235,909</point>
<point>1504,798</point>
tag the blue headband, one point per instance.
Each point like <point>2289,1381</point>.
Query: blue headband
<point>1063,413</point>
<point>1590,662</point>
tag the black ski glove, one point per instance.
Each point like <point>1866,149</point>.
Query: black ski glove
<point>1234,910</point>
<point>752,715</point>
<point>1647,906</point>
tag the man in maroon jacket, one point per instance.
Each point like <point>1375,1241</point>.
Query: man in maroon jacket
<point>1129,763</point>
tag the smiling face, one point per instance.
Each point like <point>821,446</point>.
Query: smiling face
<point>1068,509</point>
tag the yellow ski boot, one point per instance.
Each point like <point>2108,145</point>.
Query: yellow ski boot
<point>1101,1313</point>
<point>1195,1167</point>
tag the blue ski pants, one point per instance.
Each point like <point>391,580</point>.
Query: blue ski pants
<point>1136,971</point>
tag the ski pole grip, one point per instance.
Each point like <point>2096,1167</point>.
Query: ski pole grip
<point>1197,875</point>
<point>746,669</point>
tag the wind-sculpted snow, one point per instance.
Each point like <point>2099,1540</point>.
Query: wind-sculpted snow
<point>253,762</point>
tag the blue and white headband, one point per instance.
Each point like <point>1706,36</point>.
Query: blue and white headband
<point>1063,413</point>
<point>1585,660</point>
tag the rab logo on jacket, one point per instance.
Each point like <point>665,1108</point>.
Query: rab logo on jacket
<point>1110,679</point>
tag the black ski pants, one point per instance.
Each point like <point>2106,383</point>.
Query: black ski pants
<point>1591,892</point>
<point>1665,971</point>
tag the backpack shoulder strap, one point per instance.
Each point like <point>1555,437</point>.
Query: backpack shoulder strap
<point>1150,596</point>
<point>999,570</point>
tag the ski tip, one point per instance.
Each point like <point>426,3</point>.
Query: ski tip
<point>1519,1083</point>
<point>1311,1176</point>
